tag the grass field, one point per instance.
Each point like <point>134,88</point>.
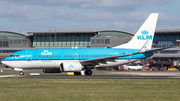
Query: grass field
<point>28,89</point>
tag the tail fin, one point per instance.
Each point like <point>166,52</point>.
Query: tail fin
<point>144,34</point>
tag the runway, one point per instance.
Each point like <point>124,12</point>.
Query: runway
<point>101,75</point>
<point>91,77</point>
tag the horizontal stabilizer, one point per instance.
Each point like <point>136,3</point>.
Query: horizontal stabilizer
<point>157,49</point>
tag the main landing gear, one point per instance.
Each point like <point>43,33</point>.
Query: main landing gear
<point>77,73</point>
<point>88,72</point>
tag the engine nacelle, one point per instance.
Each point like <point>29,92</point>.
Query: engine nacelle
<point>71,66</point>
<point>52,70</point>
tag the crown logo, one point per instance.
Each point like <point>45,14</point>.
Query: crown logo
<point>71,66</point>
<point>45,50</point>
<point>144,32</point>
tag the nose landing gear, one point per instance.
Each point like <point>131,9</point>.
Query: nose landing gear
<point>21,73</point>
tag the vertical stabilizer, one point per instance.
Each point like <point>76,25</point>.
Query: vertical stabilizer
<point>144,34</point>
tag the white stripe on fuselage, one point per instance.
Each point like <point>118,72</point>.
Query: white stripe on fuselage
<point>40,64</point>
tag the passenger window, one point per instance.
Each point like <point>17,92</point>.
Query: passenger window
<point>39,55</point>
<point>34,55</point>
<point>59,55</point>
<point>16,55</point>
<point>81,55</point>
<point>56,55</point>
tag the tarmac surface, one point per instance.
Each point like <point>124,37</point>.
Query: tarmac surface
<point>99,77</point>
<point>105,75</point>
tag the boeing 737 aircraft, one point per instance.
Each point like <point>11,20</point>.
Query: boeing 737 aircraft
<point>79,59</point>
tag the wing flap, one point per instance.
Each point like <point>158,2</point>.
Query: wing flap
<point>104,59</point>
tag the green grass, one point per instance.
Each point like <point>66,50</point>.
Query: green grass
<point>29,89</point>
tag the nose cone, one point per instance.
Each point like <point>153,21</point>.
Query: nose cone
<point>4,61</point>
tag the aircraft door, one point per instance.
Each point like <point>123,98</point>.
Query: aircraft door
<point>28,56</point>
<point>76,56</point>
<point>129,57</point>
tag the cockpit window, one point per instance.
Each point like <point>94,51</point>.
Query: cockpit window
<point>14,55</point>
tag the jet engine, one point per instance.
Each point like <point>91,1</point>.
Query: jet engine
<point>71,67</point>
<point>52,70</point>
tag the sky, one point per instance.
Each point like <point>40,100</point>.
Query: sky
<point>24,16</point>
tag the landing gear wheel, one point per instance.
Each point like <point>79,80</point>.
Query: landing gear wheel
<point>44,70</point>
<point>21,73</point>
<point>77,73</point>
<point>88,72</point>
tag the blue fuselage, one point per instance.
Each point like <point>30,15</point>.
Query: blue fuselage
<point>74,54</point>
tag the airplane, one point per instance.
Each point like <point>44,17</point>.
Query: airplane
<point>57,60</point>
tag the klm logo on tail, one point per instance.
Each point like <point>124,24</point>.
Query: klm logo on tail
<point>144,36</point>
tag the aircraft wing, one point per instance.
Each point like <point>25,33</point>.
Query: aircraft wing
<point>112,58</point>
<point>104,59</point>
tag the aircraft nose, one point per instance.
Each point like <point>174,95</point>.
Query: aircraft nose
<point>2,62</point>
